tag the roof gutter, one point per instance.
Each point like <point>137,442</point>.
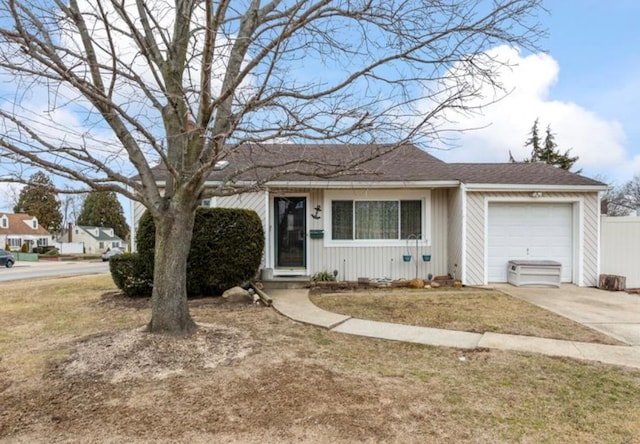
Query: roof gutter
<point>533,187</point>
<point>351,184</point>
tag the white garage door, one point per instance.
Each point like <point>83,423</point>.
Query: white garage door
<point>530,232</point>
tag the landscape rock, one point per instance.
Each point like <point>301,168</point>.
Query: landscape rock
<point>435,284</point>
<point>416,283</point>
<point>238,294</point>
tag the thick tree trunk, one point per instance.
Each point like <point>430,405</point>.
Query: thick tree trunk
<point>170,311</point>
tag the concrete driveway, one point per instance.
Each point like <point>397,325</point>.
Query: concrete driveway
<point>616,314</point>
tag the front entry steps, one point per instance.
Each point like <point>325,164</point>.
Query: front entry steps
<point>286,282</point>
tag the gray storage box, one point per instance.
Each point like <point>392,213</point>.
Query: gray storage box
<point>534,273</point>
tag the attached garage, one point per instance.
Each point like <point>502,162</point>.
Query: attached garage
<point>529,231</point>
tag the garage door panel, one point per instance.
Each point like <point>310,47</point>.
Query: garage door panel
<point>529,232</point>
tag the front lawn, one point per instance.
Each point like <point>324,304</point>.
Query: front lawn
<point>74,367</point>
<point>473,310</point>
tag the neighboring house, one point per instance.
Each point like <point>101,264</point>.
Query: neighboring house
<point>471,218</point>
<point>19,229</point>
<point>94,239</point>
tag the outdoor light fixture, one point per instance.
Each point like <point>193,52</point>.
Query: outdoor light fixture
<point>317,210</point>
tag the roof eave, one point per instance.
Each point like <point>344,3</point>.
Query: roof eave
<point>533,187</point>
<point>344,184</point>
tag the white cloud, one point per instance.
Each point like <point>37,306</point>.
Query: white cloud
<point>506,124</point>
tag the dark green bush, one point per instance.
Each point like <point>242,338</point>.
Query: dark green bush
<point>130,274</point>
<point>226,249</point>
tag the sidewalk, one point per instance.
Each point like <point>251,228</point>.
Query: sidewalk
<point>295,304</point>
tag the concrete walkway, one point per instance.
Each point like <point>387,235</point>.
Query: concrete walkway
<point>295,304</point>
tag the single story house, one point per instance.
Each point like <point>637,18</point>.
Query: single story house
<point>94,239</point>
<point>19,229</point>
<point>471,218</point>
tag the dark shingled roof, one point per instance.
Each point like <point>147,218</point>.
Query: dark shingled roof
<point>313,162</point>
<point>536,173</point>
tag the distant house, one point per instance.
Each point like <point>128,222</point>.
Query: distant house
<point>94,239</point>
<point>19,229</point>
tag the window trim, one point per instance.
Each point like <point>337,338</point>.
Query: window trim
<point>377,195</point>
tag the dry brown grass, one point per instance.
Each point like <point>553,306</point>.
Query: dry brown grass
<point>297,384</point>
<point>473,310</point>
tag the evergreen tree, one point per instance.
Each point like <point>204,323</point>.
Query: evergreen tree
<point>534,143</point>
<point>102,209</point>
<point>39,200</point>
<point>547,151</point>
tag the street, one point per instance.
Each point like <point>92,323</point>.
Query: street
<point>33,270</point>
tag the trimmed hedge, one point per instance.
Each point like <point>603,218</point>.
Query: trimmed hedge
<point>226,250</point>
<point>130,274</point>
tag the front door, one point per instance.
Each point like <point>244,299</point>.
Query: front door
<point>290,233</point>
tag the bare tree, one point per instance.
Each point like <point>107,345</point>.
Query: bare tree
<point>71,206</point>
<point>105,89</point>
<point>10,195</point>
<point>622,199</point>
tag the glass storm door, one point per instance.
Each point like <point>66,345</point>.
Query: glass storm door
<point>290,232</point>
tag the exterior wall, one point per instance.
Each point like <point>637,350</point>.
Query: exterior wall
<point>455,231</point>
<point>375,261</point>
<point>620,248</point>
<point>585,240</point>
<point>257,202</point>
<point>32,238</point>
<point>137,210</point>
<point>91,245</point>
<point>248,201</point>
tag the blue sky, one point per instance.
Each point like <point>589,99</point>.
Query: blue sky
<point>586,87</point>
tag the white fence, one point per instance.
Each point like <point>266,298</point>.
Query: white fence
<point>620,248</point>
<point>70,247</point>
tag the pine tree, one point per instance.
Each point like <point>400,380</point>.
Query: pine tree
<point>547,151</point>
<point>102,209</point>
<point>534,143</point>
<point>551,155</point>
<point>39,200</point>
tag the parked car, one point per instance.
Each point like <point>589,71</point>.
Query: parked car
<point>109,254</point>
<point>7,259</point>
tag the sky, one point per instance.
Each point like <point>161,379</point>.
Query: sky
<point>585,86</point>
<point>584,83</point>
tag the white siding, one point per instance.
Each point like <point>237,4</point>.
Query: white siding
<point>455,232</point>
<point>475,239</point>
<point>620,248</point>
<point>591,239</point>
<point>586,264</point>
<point>247,201</point>
<point>376,262</point>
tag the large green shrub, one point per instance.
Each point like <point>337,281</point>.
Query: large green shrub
<point>130,274</point>
<point>226,249</point>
